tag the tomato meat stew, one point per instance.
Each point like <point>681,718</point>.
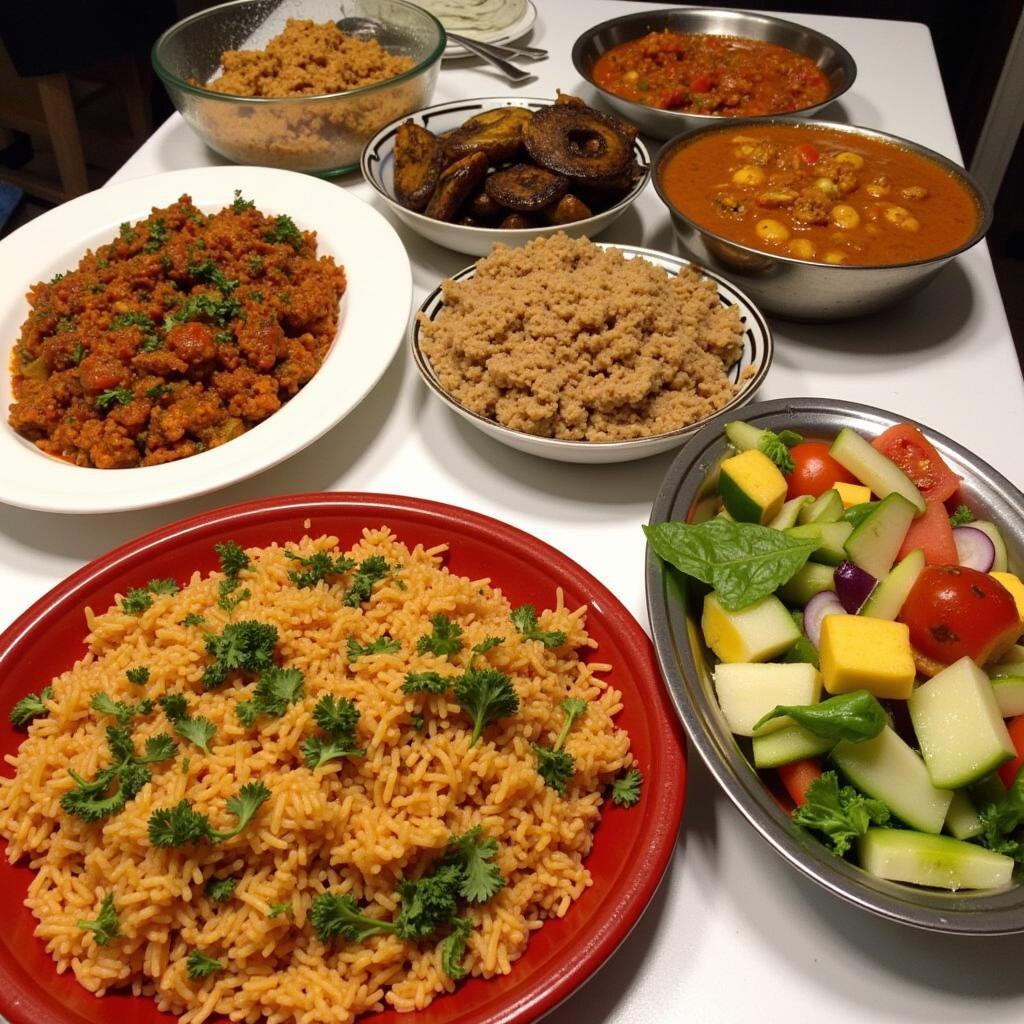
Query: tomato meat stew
<point>181,333</point>
<point>710,74</point>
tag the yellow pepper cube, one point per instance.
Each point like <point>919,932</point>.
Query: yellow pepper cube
<point>859,653</point>
<point>1015,586</point>
<point>852,494</point>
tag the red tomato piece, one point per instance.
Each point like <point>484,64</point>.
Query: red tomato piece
<point>798,776</point>
<point>905,445</point>
<point>1008,772</point>
<point>933,534</point>
<point>808,153</point>
<point>955,612</point>
<point>814,470</point>
<point>702,83</point>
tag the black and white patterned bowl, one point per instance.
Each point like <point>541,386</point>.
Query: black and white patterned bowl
<point>749,370</point>
<point>377,165</point>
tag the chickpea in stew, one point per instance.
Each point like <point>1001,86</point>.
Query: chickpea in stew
<point>820,195</point>
<point>181,333</point>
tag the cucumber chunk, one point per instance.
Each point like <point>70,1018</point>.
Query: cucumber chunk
<point>962,821</point>
<point>1009,694</point>
<point>830,539</point>
<point>758,632</point>
<point>958,726</point>
<point>810,579</point>
<point>789,512</point>
<point>746,693</point>
<point>937,861</point>
<point>827,508</point>
<point>744,436</point>
<point>790,743</point>
<point>889,596</point>
<point>1000,563</point>
<point>889,770</point>
<point>873,469</point>
<point>876,542</point>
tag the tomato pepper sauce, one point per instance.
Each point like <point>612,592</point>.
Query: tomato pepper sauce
<point>704,74</point>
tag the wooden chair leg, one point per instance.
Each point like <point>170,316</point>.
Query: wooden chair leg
<point>55,94</point>
<point>135,93</point>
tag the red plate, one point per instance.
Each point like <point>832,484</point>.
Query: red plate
<point>631,849</point>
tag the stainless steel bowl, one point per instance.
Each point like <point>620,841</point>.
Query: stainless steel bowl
<point>833,60</point>
<point>798,289</point>
<point>686,665</point>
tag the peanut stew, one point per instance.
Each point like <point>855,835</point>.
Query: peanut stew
<point>176,336</point>
<point>705,74</point>
<point>820,195</point>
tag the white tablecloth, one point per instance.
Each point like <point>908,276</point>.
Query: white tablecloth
<point>733,934</point>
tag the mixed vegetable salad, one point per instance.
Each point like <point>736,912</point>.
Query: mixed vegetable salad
<point>846,570</point>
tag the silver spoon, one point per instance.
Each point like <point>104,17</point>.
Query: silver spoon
<point>504,49</point>
<point>368,28</point>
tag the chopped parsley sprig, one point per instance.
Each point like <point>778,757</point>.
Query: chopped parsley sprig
<point>555,765</point>
<point>105,928</point>
<point>197,730</point>
<point>338,718</point>
<point>426,682</point>
<point>199,965</point>
<point>30,707</point>
<point>317,567</point>
<point>182,824</point>
<point>370,571</point>
<point>276,689</point>
<point>444,639</point>
<point>626,788</point>
<point>524,618</point>
<point>382,645</point>
<point>140,599</point>
<point>485,694</point>
<point>246,646</point>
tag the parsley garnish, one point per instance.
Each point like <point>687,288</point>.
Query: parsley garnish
<point>207,270</point>
<point>118,709</point>
<point>524,618</point>
<point>105,928</point>
<point>180,824</point>
<point>276,689</point>
<point>284,231</point>
<point>626,788</point>
<point>840,813</point>
<point>175,706</point>
<point>426,682</point>
<point>29,707</point>
<point>157,235</point>
<point>474,852</point>
<point>338,718</point>
<point>199,965</point>
<point>370,571</point>
<point>166,586</point>
<point>136,601</point>
<point>233,560</point>
<point>318,566</point>
<point>192,619</point>
<point>220,890</point>
<point>240,205</point>
<point>555,765</point>
<point>157,392</point>
<point>77,354</point>
<point>126,233</point>
<point>246,646</point>
<point>59,276</point>
<point>65,324</point>
<point>961,516</point>
<point>417,722</point>
<point>382,645</point>
<point>1002,818</point>
<point>115,396</point>
<point>219,311</point>
<point>485,694</point>
<point>445,637</point>
<point>277,909</point>
<point>196,730</point>
<point>453,949</point>
<point>334,915</point>
<point>139,676</point>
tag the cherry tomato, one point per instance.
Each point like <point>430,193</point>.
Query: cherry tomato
<point>808,153</point>
<point>905,445</point>
<point>955,612</point>
<point>702,83</point>
<point>815,471</point>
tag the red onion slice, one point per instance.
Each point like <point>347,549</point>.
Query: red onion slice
<point>853,586</point>
<point>825,603</point>
<point>974,549</point>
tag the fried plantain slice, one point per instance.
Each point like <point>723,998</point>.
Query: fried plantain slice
<point>498,133</point>
<point>456,182</point>
<point>578,142</point>
<point>517,221</point>
<point>526,188</point>
<point>568,209</point>
<point>418,161</point>
<point>481,207</point>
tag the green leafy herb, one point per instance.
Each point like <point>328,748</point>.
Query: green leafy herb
<point>790,438</point>
<point>136,601</point>
<point>185,762</point>
<point>370,571</point>
<point>744,562</point>
<point>453,949</point>
<point>126,232</point>
<point>334,915</point>
<point>58,276</point>
<point>199,965</point>
<point>181,824</point>
<point>150,341</point>
<point>1002,818</point>
<point>338,718</point>
<point>961,516</point>
<point>485,645</point>
<point>196,730</point>
<point>445,637</point>
<point>77,353</point>
<point>524,618</point>
<point>240,205</point>
<point>30,706</point>
<point>246,646</point>
<point>417,722</point>
<point>277,909</point>
<point>207,270</point>
<point>157,235</point>
<point>220,890</point>
<point>192,619</point>
<point>230,597</point>
<point>275,690</point>
<point>105,928</point>
<point>115,396</point>
<point>429,902</point>
<point>284,231</point>
<point>166,586</point>
<point>382,645</point>
<point>118,709</point>
<point>317,566</point>
<point>205,307</point>
<point>426,682</point>
<point>255,264</point>
<point>841,813</point>
<point>157,392</point>
<point>138,675</point>
<point>555,765</point>
<point>626,788</point>
<point>775,448</point>
<point>65,324</point>
<point>855,716</point>
<point>175,706</point>
<point>485,694</point>
<point>474,852</point>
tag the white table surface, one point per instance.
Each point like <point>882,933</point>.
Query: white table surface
<point>733,934</point>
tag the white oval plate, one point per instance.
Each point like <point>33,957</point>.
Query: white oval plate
<point>758,351</point>
<point>373,322</point>
<point>508,34</point>
<point>378,166</point>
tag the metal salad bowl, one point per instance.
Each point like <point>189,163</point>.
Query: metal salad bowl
<point>834,61</point>
<point>800,289</point>
<point>673,603</point>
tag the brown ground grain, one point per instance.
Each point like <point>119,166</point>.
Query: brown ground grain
<point>564,339</point>
<point>357,825</point>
